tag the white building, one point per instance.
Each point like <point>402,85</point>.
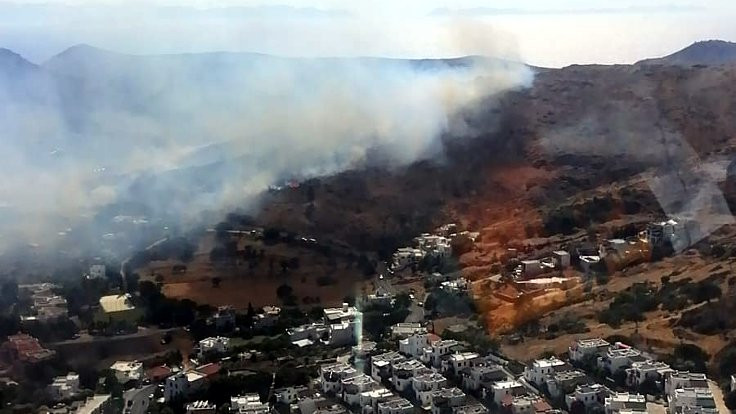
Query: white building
<point>379,298</point>
<point>647,370</point>
<point>471,409</point>
<point>692,400</point>
<point>381,365</point>
<point>425,384</point>
<point>500,389</point>
<point>588,348</point>
<point>589,395</point>
<point>137,400</point>
<point>214,345</point>
<point>474,378</point>
<point>395,405</point>
<point>458,361</point>
<point>267,318</point>
<point>369,400</point>
<point>444,400</point>
<point>289,395</point>
<point>343,333</point>
<point>332,375</point>
<point>619,357</point>
<point>97,404</point>
<point>413,345</point>
<point>406,256</point>
<point>541,368</point>
<point>248,404</point>
<point>406,329</point>
<point>127,371</point>
<point>564,382</point>
<point>403,372</point>
<point>561,258</point>
<point>64,387</point>
<point>201,407</point>
<point>353,387</point>
<point>432,355</point>
<point>311,331</point>
<point>683,379</point>
<point>181,384</point>
<point>623,402</point>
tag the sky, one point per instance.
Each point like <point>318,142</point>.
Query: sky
<point>540,32</point>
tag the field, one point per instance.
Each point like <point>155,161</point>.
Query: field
<point>319,279</point>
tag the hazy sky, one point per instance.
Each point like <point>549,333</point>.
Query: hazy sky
<point>542,32</point>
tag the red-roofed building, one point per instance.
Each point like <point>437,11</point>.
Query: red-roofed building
<point>210,371</point>
<point>158,373</point>
<point>25,349</point>
<point>433,337</point>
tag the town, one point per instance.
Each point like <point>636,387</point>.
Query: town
<point>377,354</point>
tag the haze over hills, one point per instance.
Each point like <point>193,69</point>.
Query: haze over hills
<point>708,52</point>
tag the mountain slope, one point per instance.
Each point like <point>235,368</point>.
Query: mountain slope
<point>709,52</point>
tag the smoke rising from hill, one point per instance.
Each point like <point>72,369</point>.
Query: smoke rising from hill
<point>180,135</point>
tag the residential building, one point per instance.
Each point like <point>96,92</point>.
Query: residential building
<point>474,378</point>
<point>459,285</point>
<point>683,379</point>
<point>379,298</point>
<point>471,409</point>
<point>215,345</point>
<point>267,318</point>
<point>583,349</point>
<point>501,389</point>
<point>647,370</point>
<point>118,308</point>
<point>414,344</point>
<point>531,268</point>
<point>395,405</point>
<point>406,256</point>
<point>564,382</point>
<point>528,404</point>
<point>458,361</point>
<point>97,404</point>
<point>589,395</point>
<point>433,354</point>
<point>561,258</point>
<point>369,400</point>
<point>406,329</point>
<point>290,395</point>
<point>158,373</point>
<point>363,350</point>
<point>46,305</point>
<point>22,348</point>
<point>341,314</point>
<point>249,404</point>
<point>353,387</point>
<point>541,368</point>
<point>343,333</point>
<point>332,375</point>
<point>201,407</point>
<point>402,373</point>
<point>64,387</point>
<point>691,399</point>
<point>137,400</point>
<point>381,365</point>
<point>425,384</point>
<point>618,357</point>
<point>445,399</point>
<point>126,371</point>
<point>224,318</point>
<point>312,331</point>
<point>181,384</point>
<point>623,402</point>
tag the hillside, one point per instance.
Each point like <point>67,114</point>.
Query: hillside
<point>709,52</point>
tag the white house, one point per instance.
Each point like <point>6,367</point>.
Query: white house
<point>588,348</point>
<point>289,395</point>
<point>561,258</point>
<point>395,405</point>
<point>127,371</point>
<point>500,389</point>
<point>369,399</point>
<point>64,387</point>
<point>248,404</point>
<point>425,384</point>
<point>343,333</point>
<point>331,376</point>
<point>623,402</point>
<point>474,378</point>
<point>214,345</point>
<point>353,387</point>
<point>683,379</point>
<point>406,329</point>
<point>647,370</point>
<point>267,318</point>
<point>137,400</point>
<point>692,400</point>
<point>414,344</point>
<point>381,365</point>
<point>541,368</point>
<point>589,395</point>
<point>458,361</point>
<point>564,382</point>
<point>403,372</point>
<point>432,355</point>
<point>445,399</point>
<point>619,357</point>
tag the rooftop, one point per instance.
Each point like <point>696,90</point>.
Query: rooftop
<point>116,303</point>
<point>548,363</point>
<point>591,343</point>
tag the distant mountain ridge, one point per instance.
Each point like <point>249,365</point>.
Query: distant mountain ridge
<point>708,52</point>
